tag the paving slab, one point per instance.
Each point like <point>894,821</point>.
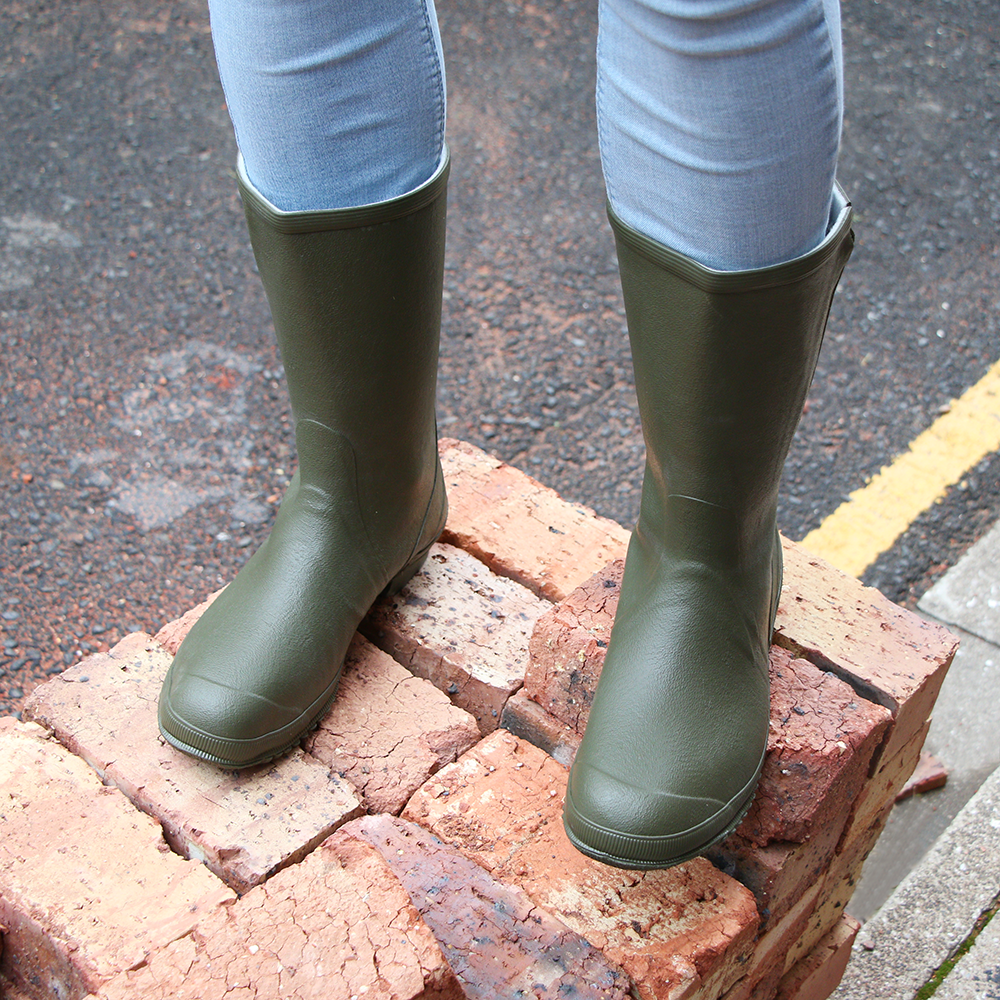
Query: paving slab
<point>934,909</point>
<point>964,735</point>
<point>968,595</point>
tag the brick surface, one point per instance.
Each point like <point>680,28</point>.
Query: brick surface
<point>568,647</point>
<point>838,887</point>
<point>88,887</point>
<point>929,774</point>
<point>882,788</point>
<point>819,973</point>
<point>520,949</point>
<point>820,746</point>
<point>388,731</point>
<point>520,528</point>
<point>763,970</point>
<point>779,873</point>
<point>463,627</point>
<point>678,933</point>
<point>243,824</point>
<point>339,926</point>
<point>822,736</point>
<point>889,655</point>
<point>529,721</point>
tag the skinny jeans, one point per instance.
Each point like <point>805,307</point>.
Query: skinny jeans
<point>718,120</point>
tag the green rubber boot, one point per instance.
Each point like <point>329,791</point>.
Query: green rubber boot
<point>356,299</point>
<point>677,732</point>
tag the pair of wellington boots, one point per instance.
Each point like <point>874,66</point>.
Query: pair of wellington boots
<point>678,728</point>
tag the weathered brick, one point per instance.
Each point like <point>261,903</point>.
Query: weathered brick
<point>519,950</point>
<point>388,731</point>
<point>929,774</point>
<point>779,873</point>
<point>243,824</point>
<point>339,926</point>
<point>838,887</point>
<point>765,967</point>
<point>678,933</point>
<point>818,974</point>
<point>568,647</point>
<point>528,720</point>
<point>822,736</point>
<point>820,746</point>
<point>463,627</point>
<point>172,634</point>
<point>88,887</point>
<point>888,654</point>
<point>520,528</point>
<point>882,788</point>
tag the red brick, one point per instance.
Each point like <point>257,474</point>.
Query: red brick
<point>838,887</point>
<point>528,720</point>
<point>569,644</point>
<point>763,971</point>
<point>520,950</point>
<point>339,926</point>
<point>820,746</point>
<point>779,873</point>
<point>678,933</point>
<point>520,528</point>
<point>88,887</point>
<point>818,974</point>
<point>929,774</point>
<point>462,627</point>
<point>388,731</point>
<point>882,788</point>
<point>243,824</point>
<point>887,654</point>
<point>172,634</point>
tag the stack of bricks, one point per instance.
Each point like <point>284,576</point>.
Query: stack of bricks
<point>413,846</point>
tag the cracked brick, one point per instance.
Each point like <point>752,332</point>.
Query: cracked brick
<point>678,933</point>
<point>889,655</point>
<point>821,743</point>
<point>520,949</point>
<point>388,731</point>
<point>243,824</point>
<point>528,720</point>
<point>88,887</point>
<point>520,528</point>
<point>462,627</point>
<point>338,926</point>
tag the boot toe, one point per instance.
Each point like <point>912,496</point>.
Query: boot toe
<point>227,726</point>
<point>614,821</point>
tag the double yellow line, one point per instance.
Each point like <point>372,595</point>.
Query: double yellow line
<point>868,523</point>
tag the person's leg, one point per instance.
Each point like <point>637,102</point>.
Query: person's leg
<point>719,123</point>
<point>719,126</point>
<point>334,103</point>
<point>339,111</point>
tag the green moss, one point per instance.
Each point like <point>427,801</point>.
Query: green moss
<point>943,970</point>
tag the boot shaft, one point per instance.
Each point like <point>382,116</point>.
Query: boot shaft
<point>355,295</point>
<point>723,362</point>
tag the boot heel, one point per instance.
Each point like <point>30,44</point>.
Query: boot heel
<point>403,577</point>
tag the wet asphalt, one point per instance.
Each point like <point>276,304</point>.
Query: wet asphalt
<point>145,437</point>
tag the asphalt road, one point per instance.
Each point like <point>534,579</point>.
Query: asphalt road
<point>144,432</point>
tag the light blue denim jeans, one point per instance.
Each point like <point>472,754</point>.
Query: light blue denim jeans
<point>719,120</point>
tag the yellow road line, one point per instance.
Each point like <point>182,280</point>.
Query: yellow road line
<point>867,524</point>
